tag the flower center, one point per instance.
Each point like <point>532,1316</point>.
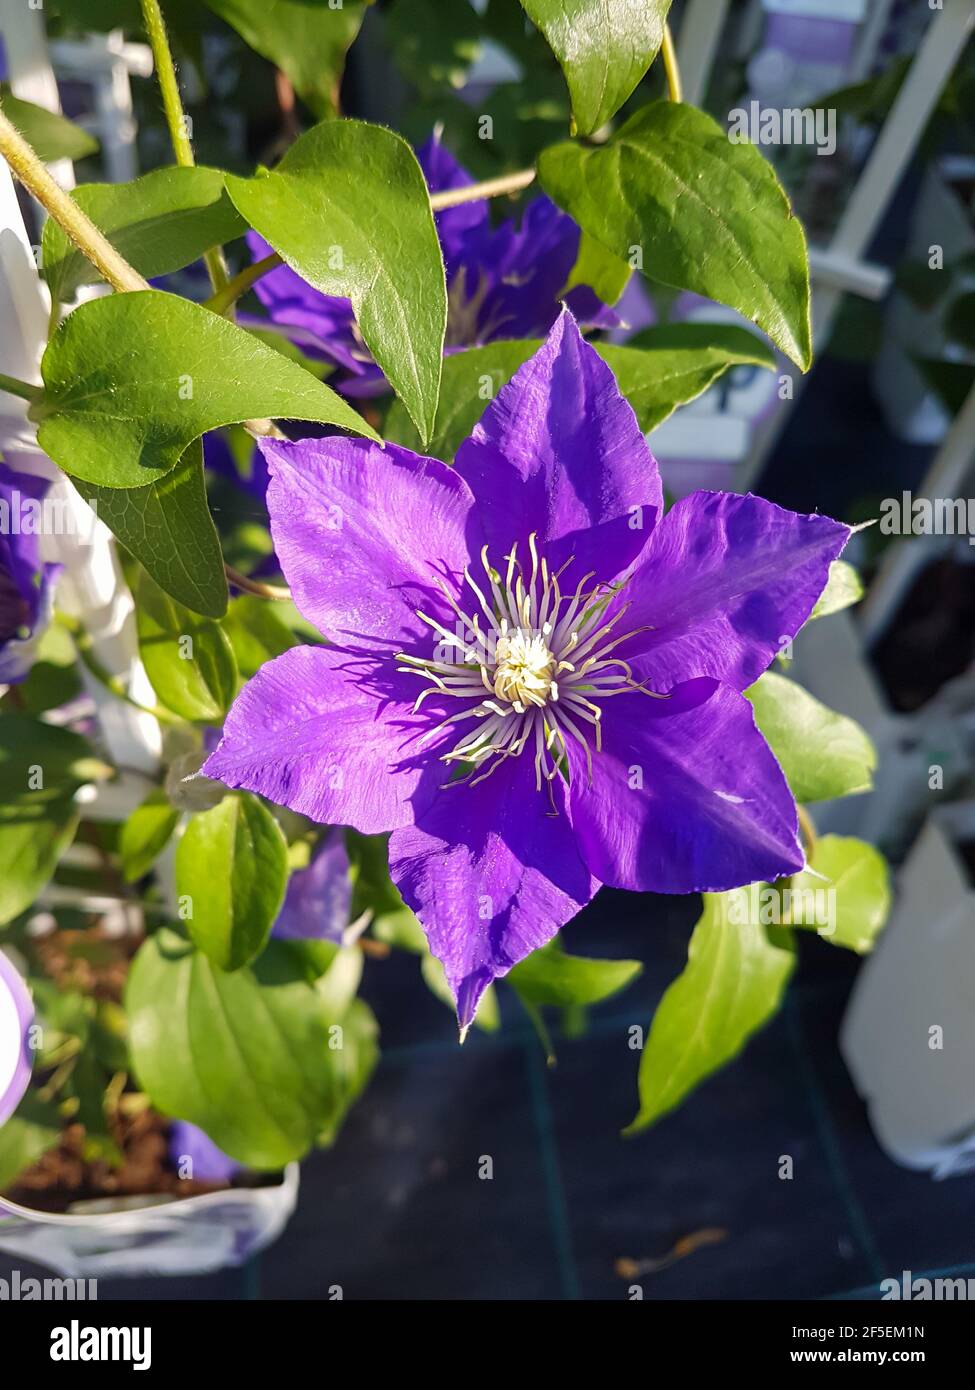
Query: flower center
<point>524,669</point>
<point>535,675</point>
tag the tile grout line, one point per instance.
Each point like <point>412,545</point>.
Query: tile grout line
<point>554,1189</point>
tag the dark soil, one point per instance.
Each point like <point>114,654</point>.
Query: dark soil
<point>64,1176</point>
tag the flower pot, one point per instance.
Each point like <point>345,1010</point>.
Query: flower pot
<point>136,1237</point>
<point>921,755</point>
<point>908,1036</point>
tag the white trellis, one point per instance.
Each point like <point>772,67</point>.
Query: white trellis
<point>91,585</point>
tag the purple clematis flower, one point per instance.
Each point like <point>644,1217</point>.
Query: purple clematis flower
<point>316,905</point>
<point>16,1017</point>
<point>26,586</point>
<point>208,1163</point>
<point>536,678</point>
<point>502,282</point>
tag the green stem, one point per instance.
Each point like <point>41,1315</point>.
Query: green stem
<point>808,831</point>
<point>175,115</point>
<point>224,298</point>
<point>15,387</point>
<point>490,188</point>
<point>669,54</point>
<point>86,651</point>
<point>255,586</point>
<point>78,227</point>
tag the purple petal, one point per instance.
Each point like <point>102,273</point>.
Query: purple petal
<point>16,1017</point>
<point>525,268</point>
<point>492,872</point>
<point>331,736</point>
<point>454,225</point>
<point>209,1164</point>
<point>292,303</point>
<point>686,796</point>
<point>724,582</point>
<point>363,534</point>
<point>563,442</point>
<point>316,905</point>
<point>19,550</point>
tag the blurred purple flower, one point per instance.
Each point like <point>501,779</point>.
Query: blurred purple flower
<point>209,1164</point>
<point>316,905</point>
<point>502,282</point>
<point>26,585</point>
<point>582,659</point>
<point>16,1017</point>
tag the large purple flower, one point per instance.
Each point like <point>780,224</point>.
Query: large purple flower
<point>502,282</point>
<point>536,678</point>
<point>26,586</point>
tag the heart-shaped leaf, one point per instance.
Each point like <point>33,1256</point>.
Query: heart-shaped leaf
<point>255,1057</point>
<point>188,658</point>
<point>851,878</point>
<point>702,213</point>
<point>168,528</point>
<point>306,39</point>
<point>159,223</point>
<point>603,49</point>
<point>348,209</point>
<point>823,754</point>
<point>131,380</point>
<point>232,867</point>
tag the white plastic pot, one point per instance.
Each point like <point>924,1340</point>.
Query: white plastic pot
<point>194,1235</point>
<point>908,1036</point>
<point>830,661</point>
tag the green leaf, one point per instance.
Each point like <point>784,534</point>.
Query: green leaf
<point>823,754</point>
<point>732,984</point>
<point>232,866</point>
<point>665,367</point>
<point>53,678</point>
<point>246,1055</point>
<point>603,49</point>
<point>27,1136</point>
<point>256,633</point>
<point>50,135</point>
<point>433,44</point>
<point>306,39</point>
<point>348,209</point>
<point>550,976</point>
<point>708,215</point>
<point>188,658</point>
<point>159,223</point>
<point>167,527</point>
<point>146,834</point>
<point>41,769</point>
<point>596,266</point>
<point>843,588</point>
<point>132,379</point>
<point>858,883</point>
<point>488,1016</point>
<point>354,1061</point>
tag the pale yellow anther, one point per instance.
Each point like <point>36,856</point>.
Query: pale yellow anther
<point>524,669</point>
